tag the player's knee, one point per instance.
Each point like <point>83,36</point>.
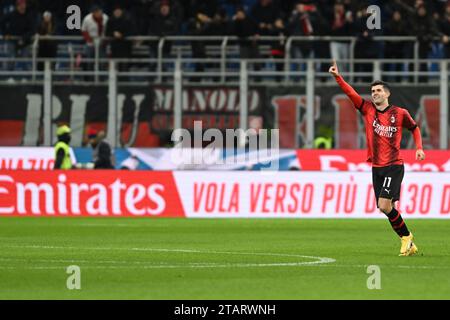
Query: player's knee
<point>385,206</point>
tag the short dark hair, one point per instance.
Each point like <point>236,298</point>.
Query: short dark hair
<point>95,8</point>
<point>379,82</point>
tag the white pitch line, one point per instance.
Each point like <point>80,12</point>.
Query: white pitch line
<point>319,260</point>
<point>189,266</point>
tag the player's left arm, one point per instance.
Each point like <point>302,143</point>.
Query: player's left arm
<point>411,125</point>
<point>420,155</point>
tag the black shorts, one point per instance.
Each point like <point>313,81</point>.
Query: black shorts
<point>387,181</point>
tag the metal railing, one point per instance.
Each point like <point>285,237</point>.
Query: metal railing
<point>223,53</point>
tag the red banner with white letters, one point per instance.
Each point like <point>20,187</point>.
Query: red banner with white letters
<point>88,193</point>
<point>355,160</point>
<point>200,194</point>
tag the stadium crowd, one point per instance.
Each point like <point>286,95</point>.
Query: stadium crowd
<point>117,19</point>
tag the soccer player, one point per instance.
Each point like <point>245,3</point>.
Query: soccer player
<point>384,123</point>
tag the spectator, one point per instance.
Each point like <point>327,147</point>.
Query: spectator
<point>175,9</point>
<point>165,23</point>
<point>265,12</point>
<point>118,28</point>
<point>215,25</point>
<point>397,26</point>
<point>306,20</point>
<point>93,26</point>
<point>437,51</point>
<point>19,27</point>
<point>126,5</point>
<point>278,47</point>
<point>58,10</point>
<point>220,24</point>
<point>425,29</point>
<point>286,7</point>
<point>6,7</point>
<point>410,7</point>
<point>199,25</point>
<point>207,8</point>
<point>445,28</point>
<point>93,29</point>
<point>321,27</point>
<point>365,47</point>
<point>440,6</point>
<point>102,155</point>
<point>342,25</point>
<point>47,48</point>
<point>141,11</point>
<point>245,28</point>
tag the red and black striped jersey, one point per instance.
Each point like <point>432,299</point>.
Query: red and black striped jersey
<point>384,132</point>
<point>383,128</point>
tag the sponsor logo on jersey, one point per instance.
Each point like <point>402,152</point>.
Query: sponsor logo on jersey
<point>384,131</point>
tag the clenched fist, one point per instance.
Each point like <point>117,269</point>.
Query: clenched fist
<point>420,155</point>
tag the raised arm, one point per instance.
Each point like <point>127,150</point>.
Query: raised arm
<point>348,90</point>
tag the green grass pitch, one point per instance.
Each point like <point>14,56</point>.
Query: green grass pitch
<point>123,258</point>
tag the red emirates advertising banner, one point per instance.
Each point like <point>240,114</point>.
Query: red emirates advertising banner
<point>355,160</point>
<point>88,193</point>
<point>201,194</point>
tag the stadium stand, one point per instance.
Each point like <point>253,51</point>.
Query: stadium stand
<point>427,22</point>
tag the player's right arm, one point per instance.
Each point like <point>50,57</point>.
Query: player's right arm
<point>348,90</point>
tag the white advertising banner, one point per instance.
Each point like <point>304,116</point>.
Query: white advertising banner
<point>306,195</point>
